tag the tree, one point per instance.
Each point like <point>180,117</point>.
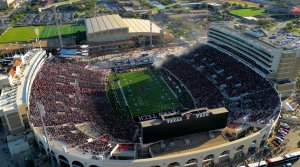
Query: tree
<point>261,5</point>
<point>28,8</point>
<point>204,6</point>
<point>80,36</point>
<point>298,82</point>
<point>239,6</point>
<point>1,31</point>
<point>101,9</point>
<point>226,5</point>
<point>29,163</point>
<point>289,26</point>
<point>196,7</point>
<point>264,22</point>
<point>246,5</point>
<point>11,6</point>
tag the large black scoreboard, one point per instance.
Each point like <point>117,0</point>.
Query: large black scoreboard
<point>180,124</point>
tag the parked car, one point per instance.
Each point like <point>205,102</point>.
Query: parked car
<point>281,136</point>
<point>275,143</point>
<point>282,132</point>
<point>286,131</point>
<point>285,125</point>
<point>279,139</point>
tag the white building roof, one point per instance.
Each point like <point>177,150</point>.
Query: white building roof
<point>141,25</point>
<point>251,18</point>
<point>111,22</point>
<point>104,23</point>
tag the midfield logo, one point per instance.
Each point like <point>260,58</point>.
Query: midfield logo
<point>188,115</point>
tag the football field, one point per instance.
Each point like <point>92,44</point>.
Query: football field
<point>146,93</point>
<point>51,31</point>
<point>20,34</point>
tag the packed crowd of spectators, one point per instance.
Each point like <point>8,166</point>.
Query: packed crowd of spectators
<point>62,133</point>
<point>225,72</point>
<point>261,107</point>
<point>215,79</point>
<point>204,93</point>
<point>72,94</point>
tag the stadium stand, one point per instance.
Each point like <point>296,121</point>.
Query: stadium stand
<point>209,74</point>
<point>80,116</point>
<point>76,95</point>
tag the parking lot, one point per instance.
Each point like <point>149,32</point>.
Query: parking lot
<point>46,18</point>
<point>112,7</point>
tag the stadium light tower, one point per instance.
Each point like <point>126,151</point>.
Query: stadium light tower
<point>149,12</point>
<point>41,110</point>
<point>58,27</point>
<point>37,32</point>
<point>150,19</point>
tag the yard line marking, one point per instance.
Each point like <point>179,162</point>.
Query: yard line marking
<point>168,87</point>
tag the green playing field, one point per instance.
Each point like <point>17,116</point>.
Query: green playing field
<point>246,12</point>
<point>20,34</point>
<point>24,34</point>
<point>51,31</point>
<point>145,93</point>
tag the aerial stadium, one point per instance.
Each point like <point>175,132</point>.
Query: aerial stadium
<point>203,108</point>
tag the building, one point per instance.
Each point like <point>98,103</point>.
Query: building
<point>184,14</point>
<point>276,56</point>
<point>215,6</point>
<point>4,4</point>
<point>295,10</point>
<point>113,28</point>
<point>14,94</point>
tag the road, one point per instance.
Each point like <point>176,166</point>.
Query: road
<point>57,4</point>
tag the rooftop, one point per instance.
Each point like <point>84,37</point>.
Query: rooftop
<point>13,96</point>
<point>112,22</point>
<point>286,41</point>
<point>104,23</point>
<point>141,25</point>
<point>188,143</point>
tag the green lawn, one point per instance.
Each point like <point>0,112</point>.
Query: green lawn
<point>246,12</point>
<point>146,93</point>
<point>20,34</point>
<point>51,31</point>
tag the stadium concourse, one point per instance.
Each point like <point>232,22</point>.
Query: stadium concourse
<point>79,116</point>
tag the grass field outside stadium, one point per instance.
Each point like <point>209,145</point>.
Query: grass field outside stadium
<point>20,34</point>
<point>26,34</point>
<point>145,92</point>
<point>247,12</point>
<point>52,31</point>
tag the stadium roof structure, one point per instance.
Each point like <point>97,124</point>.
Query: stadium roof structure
<point>113,22</point>
<point>141,25</point>
<point>104,23</point>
